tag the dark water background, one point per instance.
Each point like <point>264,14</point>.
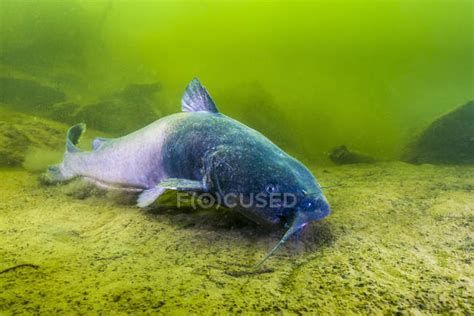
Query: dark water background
<point>310,75</point>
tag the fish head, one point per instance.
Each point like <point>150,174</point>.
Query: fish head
<point>310,205</point>
<point>267,187</point>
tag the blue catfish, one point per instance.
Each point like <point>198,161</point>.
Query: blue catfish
<point>200,150</point>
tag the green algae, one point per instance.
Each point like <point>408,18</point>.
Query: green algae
<point>398,241</point>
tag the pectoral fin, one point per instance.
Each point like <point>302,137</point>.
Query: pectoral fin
<point>182,185</point>
<point>147,197</point>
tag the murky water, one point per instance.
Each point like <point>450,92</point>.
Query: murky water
<point>362,73</point>
<point>381,81</point>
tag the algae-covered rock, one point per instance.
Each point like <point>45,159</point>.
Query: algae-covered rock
<point>138,92</point>
<point>343,156</point>
<point>121,112</point>
<point>64,112</point>
<point>259,109</point>
<point>448,140</point>
<point>19,132</point>
<point>28,95</point>
<point>13,144</point>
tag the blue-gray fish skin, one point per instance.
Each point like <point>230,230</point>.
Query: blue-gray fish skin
<point>201,150</point>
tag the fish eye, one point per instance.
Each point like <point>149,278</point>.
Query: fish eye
<point>307,204</point>
<point>270,188</point>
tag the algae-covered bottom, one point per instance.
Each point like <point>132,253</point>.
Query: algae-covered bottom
<point>399,239</point>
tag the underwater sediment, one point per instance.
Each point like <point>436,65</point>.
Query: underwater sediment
<point>399,240</point>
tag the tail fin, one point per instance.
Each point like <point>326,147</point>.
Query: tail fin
<point>60,173</point>
<point>73,136</point>
<point>54,175</point>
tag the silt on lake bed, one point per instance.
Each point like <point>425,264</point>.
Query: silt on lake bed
<point>374,99</point>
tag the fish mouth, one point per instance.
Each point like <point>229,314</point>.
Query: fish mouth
<point>320,213</point>
<point>313,208</point>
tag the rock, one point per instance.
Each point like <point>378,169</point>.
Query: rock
<point>13,145</point>
<point>124,111</point>
<point>28,95</point>
<point>63,112</point>
<point>119,113</point>
<point>448,140</point>
<point>138,92</point>
<point>258,109</point>
<point>343,156</point>
<point>20,132</point>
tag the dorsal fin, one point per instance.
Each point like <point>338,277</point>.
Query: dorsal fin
<point>197,99</point>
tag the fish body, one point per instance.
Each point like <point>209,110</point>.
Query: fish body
<point>201,151</point>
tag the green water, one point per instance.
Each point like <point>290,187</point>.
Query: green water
<point>310,75</point>
<point>367,74</point>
